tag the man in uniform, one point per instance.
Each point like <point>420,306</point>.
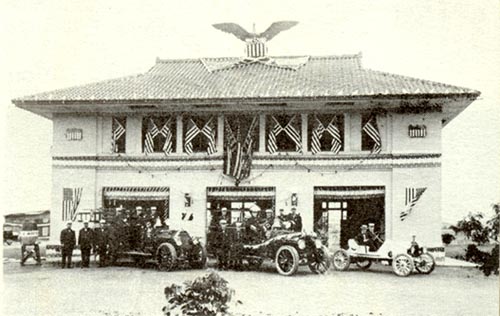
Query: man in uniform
<point>363,238</point>
<point>101,242</point>
<point>237,239</point>
<point>375,239</point>
<point>222,245</point>
<point>296,220</point>
<point>68,241</point>
<point>85,241</point>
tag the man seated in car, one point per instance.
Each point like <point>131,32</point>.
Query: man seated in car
<point>363,238</point>
<point>374,238</point>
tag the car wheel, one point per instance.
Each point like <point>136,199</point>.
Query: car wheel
<point>425,263</point>
<point>364,264</point>
<point>341,260</point>
<point>167,257</point>
<point>254,263</point>
<point>198,258</point>
<point>402,265</point>
<point>287,260</point>
<point>319,263</point>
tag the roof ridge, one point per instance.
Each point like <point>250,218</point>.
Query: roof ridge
<point>222,58</point>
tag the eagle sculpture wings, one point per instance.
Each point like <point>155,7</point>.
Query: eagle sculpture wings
<point>244,35</point>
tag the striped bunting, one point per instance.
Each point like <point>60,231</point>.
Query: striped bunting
<point>207,130</point>
<point>371,129</point>
<point>151,133</point>
<point>412,197</point>
<point>317,134</point>
<point>167,133</point>
<point>117,131</point>
<point>290,131</point>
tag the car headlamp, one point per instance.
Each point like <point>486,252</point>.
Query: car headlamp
<point>301,244</point>
<point>196,241</point>
<point>177,240</point>
<point>318,243</point>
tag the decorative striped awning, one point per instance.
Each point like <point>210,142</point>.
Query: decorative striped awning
<point>231,193</point>
<point>136,193</point>
<point>350,192</point>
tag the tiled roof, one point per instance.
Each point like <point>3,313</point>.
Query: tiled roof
<point>229,78</point>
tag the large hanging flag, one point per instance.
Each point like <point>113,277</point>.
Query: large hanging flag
<point>412,197</point>
<point>70,203</point>
<point>151,133</point>
<point>238,154</point>
<point>371,129</point>
<point>290,131</point>
<point>117,132</point>
<point>193,130</point>
<point>317,134</point>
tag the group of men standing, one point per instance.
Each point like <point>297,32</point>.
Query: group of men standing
<point>227,239</point>
<point>88,239</point>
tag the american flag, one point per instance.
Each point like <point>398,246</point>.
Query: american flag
<point>317,134</point>
<point>371,129</point>
<point>151,133</point>
<point>289,129</point>
<point>209,133</point>
<point>117,131</point>
<point>191,133</point>
<point>167,133</point>
<point>412,197</point>
<point>238,156</point>
<point>70,202</point>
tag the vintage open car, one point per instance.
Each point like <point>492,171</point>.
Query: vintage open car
<point>405,257</point>
<point>170,249</point>
<point>288,250</point>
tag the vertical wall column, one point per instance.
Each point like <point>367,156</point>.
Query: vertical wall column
<point>179,134</point>
<point>262,133</point>
<point>98,135</point>
<point>347,132</point>
<point>133,134</point>
<point>220,134</point>
<point>355,132</point>
<point>304,126</point>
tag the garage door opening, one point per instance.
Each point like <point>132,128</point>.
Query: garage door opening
<point>340,211</point>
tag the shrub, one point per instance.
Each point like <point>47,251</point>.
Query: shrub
<point>488,263</point>
<point>447,238</point>
<point>208,295</point>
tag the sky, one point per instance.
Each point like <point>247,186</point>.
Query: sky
<point>55,44</point>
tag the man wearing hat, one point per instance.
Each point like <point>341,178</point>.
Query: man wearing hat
<point>375,240</point>
<point>68,241</point>
<point>85,241</point>
<point>222,242</point>
<point>363,238</point>
<point>101,242</point>
<point>296,220</point>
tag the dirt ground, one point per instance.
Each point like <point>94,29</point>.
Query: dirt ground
<point>49,290</point>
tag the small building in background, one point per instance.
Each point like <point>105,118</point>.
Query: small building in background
<point>14,223</point>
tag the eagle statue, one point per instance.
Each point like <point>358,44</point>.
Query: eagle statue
<point>242,34</point>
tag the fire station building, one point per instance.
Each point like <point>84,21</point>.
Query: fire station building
<point>344,144</point>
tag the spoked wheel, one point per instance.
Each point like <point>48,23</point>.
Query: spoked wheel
<point>254,263</point>
<point>341,260</point>
<point>198,258</point>
<point>320,261</point>
<point>402,265</point>
<point>287,260</point>
<point>364,264</point>
<point>425,263</point>
<point>166,257</point>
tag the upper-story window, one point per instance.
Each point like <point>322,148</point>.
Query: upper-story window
<point>284,133</point>
<point>118,133</point>
<point>370,135</point>
<point>158,134</point>
<point>326,133</point>
<point>243,129</point>
<point>200,134</point>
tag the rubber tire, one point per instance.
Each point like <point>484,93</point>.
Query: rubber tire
<point>365,266</point>
<point>409,262</point>
<point>326,261</point>
<point>173,254</point>
<point>201,262</point>
<point>346,257</point>
<point>295,257</point>
<point>432,267</point>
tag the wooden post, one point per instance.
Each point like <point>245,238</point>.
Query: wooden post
<point>179,135</point>
<point>220,134</point>
<point>262,133</point>
<point>304,126</point>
